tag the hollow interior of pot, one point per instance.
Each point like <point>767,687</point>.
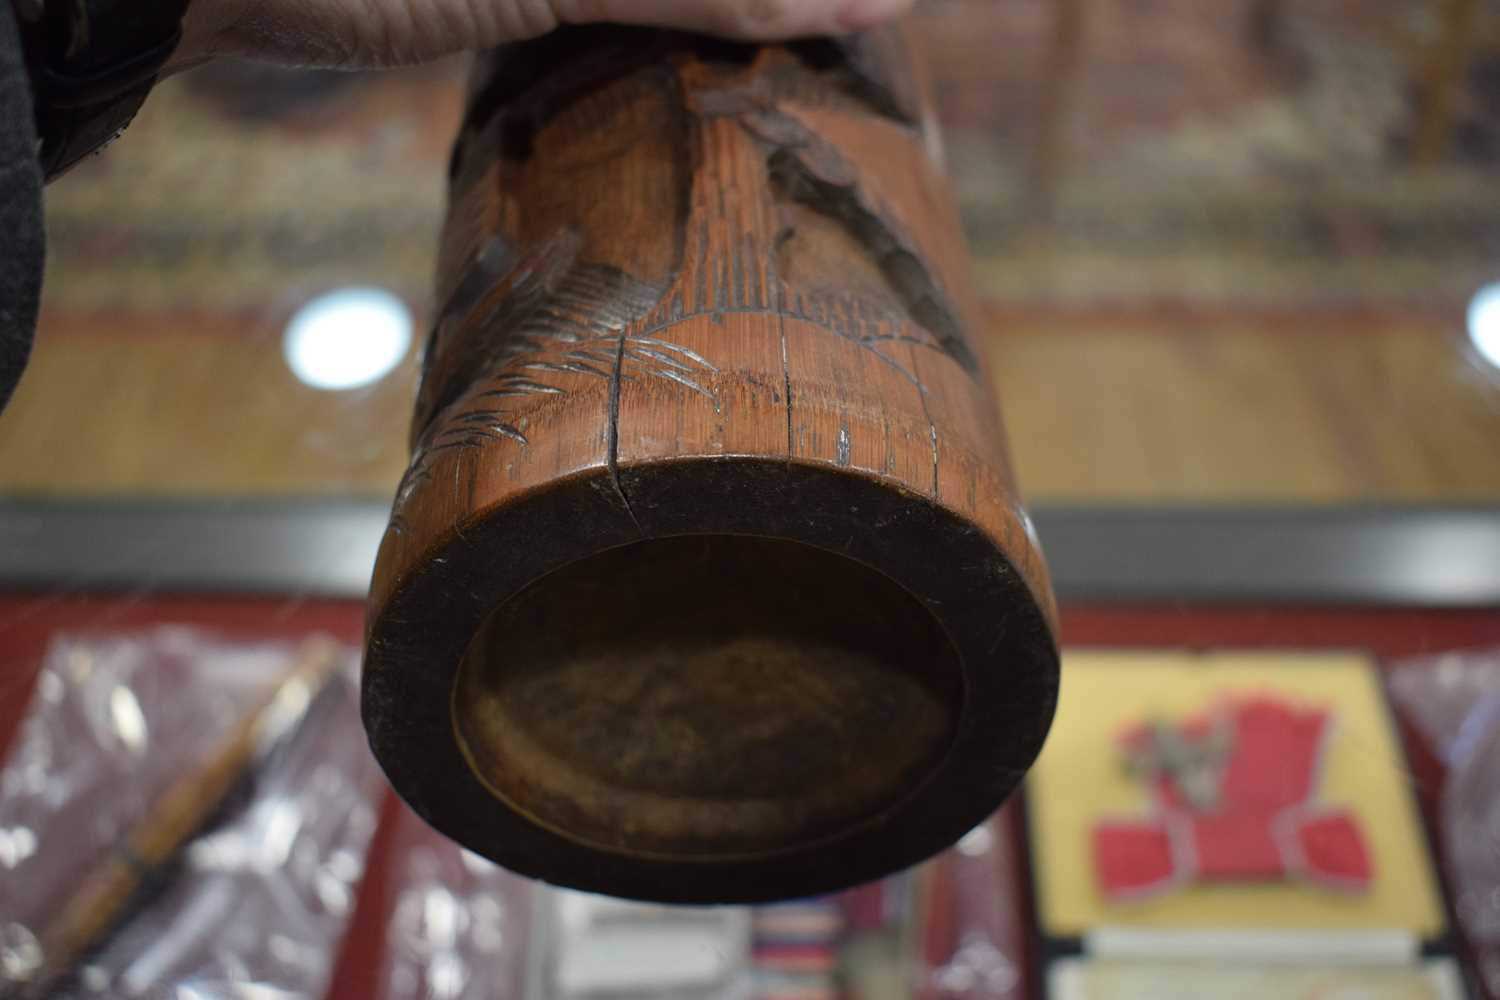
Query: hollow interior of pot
<point>708,697</point>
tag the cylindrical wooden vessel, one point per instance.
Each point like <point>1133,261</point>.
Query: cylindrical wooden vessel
<point>708,580</point>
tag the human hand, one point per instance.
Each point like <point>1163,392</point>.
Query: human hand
<point>371,33</point>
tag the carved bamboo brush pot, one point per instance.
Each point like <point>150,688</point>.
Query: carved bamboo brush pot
<point>708,580</point>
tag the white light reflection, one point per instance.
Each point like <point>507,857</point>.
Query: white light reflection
<point>977,842</point>
<point>348,338</point>
<point>1484,323</point>
<point>127,721</point>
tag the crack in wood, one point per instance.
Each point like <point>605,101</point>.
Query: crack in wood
<point>937,490</point>
<point>614,434</point>
<point>786,376</point>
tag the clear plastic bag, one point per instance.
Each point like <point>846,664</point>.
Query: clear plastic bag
<point>120,736</point>
<point>1454,701</point>
<point>983,955</point>
<point>457,926</point>
<point>461,928</point>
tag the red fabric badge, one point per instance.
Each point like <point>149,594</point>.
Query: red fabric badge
<point>1233,798</point>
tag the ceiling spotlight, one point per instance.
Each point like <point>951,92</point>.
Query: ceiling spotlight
<point>1484,323</point>
<point>348,338</point>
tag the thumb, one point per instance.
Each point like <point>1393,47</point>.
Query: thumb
<point>753,20</point>
<point>369,33</point>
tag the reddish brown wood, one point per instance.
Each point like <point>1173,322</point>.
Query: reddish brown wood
<point>708,580</point>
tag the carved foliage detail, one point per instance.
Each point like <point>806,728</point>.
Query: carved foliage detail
<point>525,328</point>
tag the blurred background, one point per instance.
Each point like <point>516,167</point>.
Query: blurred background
<point>1228,249</point>
<point>1240,262</point>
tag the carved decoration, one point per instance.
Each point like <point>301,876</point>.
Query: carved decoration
<point>707,580</point>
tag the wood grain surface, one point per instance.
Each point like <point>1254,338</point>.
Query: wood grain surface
<point>708,579</point>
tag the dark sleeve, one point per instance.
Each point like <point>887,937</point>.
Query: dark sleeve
<point>21,241</point>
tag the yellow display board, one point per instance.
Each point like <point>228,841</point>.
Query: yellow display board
<point>1080,779</point>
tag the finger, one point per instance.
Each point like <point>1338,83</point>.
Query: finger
<point>756,20</point>
<point>356,33</point>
